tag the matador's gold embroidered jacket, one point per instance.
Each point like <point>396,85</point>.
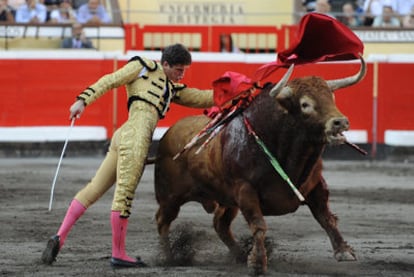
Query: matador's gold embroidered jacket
<point>145,80</point>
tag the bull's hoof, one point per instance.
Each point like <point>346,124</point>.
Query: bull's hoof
<point>246,245</point>
<point>257,271</point>
<point>257,264</point>
<point>345,255</point>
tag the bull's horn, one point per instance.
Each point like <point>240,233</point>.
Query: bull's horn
<point>349,81</point>
<point>282,82</point>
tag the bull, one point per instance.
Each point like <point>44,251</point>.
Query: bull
<point>295,120</point>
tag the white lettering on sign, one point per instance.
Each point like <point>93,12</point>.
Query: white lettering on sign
<point>202,13</point>
<point>385,35</point>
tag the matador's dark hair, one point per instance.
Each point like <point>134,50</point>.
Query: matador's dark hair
<point>176,54</point>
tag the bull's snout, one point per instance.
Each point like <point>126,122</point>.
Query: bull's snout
<point>334,128</point>
<point>340,123</point>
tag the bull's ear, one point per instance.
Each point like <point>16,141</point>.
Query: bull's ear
<point>282,82</point>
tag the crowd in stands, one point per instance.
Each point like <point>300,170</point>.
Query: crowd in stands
<point>354,13</point>
<point>366,13</point>
<point>91,12</point>
<point>75,12</point>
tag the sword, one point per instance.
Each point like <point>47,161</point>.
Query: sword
<point>60,161</point>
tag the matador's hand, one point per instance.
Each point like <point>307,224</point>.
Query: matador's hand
<point>76,109</point>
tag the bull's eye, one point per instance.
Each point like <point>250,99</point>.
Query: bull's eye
<point>307,105</point>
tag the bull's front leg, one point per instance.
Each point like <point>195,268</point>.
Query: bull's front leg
<point>249,204</point>
<point>317,201</point>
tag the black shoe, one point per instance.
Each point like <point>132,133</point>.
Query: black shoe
<point>118,263</point>
<point>51,251</point>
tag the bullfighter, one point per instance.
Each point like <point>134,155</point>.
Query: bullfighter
<point>151,87</point>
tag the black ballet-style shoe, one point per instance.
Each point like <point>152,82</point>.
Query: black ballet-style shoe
<point>52,250</point>
<point>118,263</point>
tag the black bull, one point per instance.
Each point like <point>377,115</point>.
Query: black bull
<point>295,121</point>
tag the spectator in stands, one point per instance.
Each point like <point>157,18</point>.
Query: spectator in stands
<point>408,20</point>
<point>64,13</point>
<point>358,7</point>
<point>77,3</point>
<point>349,16</point>
<point>78,39</point>
<point>31,12</point>
<point>323,6</point>
<point>404,7</point>
<point>226,44</point>
<point>387,19</point>
<point>94,13</point>
<point>373,8</point>
<point>51,5</point>
<point>309,5</point>
<point>7,12</point>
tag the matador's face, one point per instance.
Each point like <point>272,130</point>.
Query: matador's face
<point>176,72</point>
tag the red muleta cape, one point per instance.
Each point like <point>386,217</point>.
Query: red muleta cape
<point>319,38</point>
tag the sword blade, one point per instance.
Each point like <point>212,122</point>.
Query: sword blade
<point>58,166</point>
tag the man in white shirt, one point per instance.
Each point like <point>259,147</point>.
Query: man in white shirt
<point>93,12</point>
<point>31,12</point>
<point>374,7</point>
<point>404,7</point>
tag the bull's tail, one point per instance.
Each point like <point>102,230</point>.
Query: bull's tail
<point>150,160</point>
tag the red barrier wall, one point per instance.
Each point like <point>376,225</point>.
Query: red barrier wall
<point>395,94</point>
<point>38,92</point>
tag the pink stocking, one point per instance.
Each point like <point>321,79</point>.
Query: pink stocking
<point>119,230</point>
<point>74,212</point>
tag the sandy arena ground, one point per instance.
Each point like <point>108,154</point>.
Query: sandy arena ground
<point>373,200</point>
